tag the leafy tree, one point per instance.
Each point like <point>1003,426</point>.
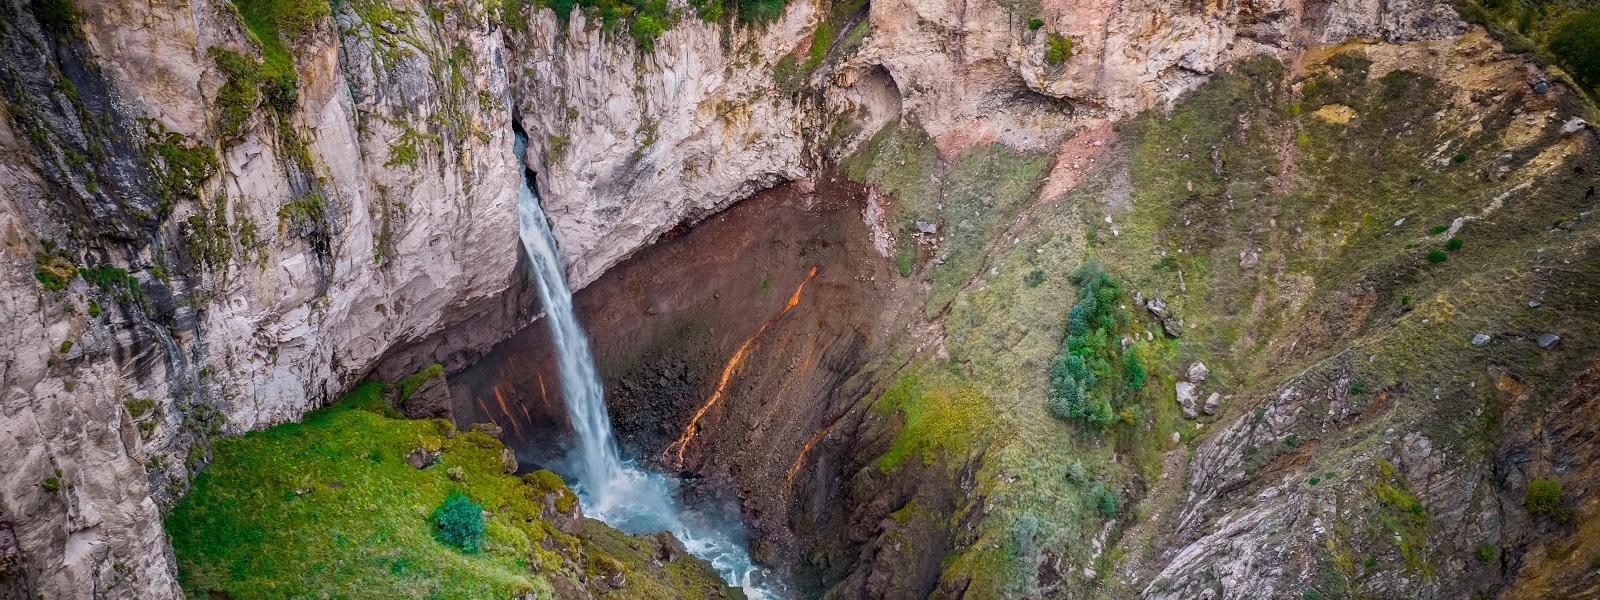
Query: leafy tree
<point>459,523</point>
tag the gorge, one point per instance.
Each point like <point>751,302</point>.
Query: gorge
<point>877,298</point>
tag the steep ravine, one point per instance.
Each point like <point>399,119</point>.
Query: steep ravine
<point>217,218</point>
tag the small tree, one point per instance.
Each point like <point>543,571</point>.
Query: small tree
<point>1133,369</point>
<point>459,523</point>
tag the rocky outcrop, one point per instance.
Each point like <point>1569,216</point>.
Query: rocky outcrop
<point>287,259</point>
<point>247,266</point>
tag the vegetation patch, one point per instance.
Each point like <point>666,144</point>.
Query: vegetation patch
<point>937,416</point>
<point>1059,50</point>
<point>1545,499</point>
<point>1090,381</point>
<point>53,272</point>
<point>330,507</point>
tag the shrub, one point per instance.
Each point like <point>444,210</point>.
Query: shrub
<point>1033,279</point>
<point>1486,552</point>
<point>760,11</point>
<point>1133,370</point>
<point>1438,229</point>
<point>1108,503</point>
<point>1459,158</point>
<point>53,272</point>
<point>1454,244</point>
<point>1576,43</point>
<point>1437,256</point>
<point>1060,49</point>
<point>459,523</point>
<point>51,485</point>
<point>1314,480</point>
<point>1544,499</point>
<point>1035,24</point>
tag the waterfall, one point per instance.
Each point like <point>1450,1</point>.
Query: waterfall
<point>600,464</point>
<point>626,497</point>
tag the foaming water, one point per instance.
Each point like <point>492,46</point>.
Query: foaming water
<point>626,497</point>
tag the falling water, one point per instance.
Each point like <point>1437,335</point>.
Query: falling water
<point>624,496</point>
<point>597,451</point>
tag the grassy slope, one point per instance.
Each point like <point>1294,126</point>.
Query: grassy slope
<point>267,519</point>
<point>1242,165</point>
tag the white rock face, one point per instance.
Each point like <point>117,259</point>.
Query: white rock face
<point>276,331</point>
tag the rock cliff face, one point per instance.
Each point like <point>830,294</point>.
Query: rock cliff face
<point>264,215</point>
<point>232,278</point>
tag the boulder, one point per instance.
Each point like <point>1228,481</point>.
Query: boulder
<point>1573,126</point>
<point>1480,339</point>
<point>1198,372</point>
<point>1188,393</point>
<point>431,400</point>
<point>1549,340</point>
<point>508,460</point>
<point>421,458</point>
<point>1213,402</point>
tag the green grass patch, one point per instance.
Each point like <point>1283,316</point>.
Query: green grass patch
<point>330,507</point>
<point>937,415</point>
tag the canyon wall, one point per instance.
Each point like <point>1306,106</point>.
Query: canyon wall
<point>250,249</point>
<point>238,269</point>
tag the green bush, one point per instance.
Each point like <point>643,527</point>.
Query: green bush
<point>1060,49</point>
<point>459,523</point>
<point>1438,229</point>
<point>1437,256</point>
<point>1108,503</point>
<point>1576,43</point>
<point>1035,24</point>
<point>1486,552</point>
<point>761,11</point>
<point>1454,244</point>
<point>1544,499</point>
<point>1133,370</point>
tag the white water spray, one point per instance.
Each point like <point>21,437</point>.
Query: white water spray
<point>631,499</point>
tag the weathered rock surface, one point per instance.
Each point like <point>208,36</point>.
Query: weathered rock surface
<point>406,151</point>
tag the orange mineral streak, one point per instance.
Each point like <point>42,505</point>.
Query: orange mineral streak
<point>677,448</point>
<point>486,414</point>
<point>543,397</point>
<point>801,459</point>
<point>498,397</point>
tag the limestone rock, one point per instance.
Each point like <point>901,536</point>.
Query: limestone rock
<point>1549,340</point>
<point>1188,393</point>
<point>1213,402</point>
<point>1198,372</point>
